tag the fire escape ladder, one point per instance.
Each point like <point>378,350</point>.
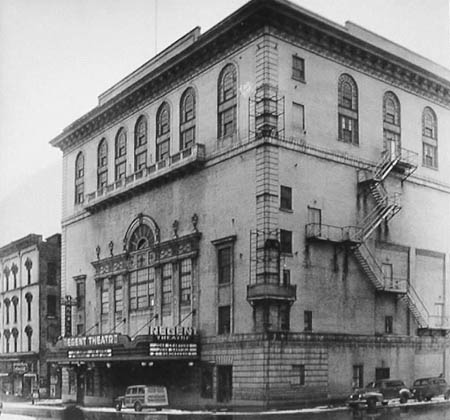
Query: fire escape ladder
<point>417,307</point>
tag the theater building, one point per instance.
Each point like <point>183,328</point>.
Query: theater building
<point>29,316</point>
<point>258,216</point>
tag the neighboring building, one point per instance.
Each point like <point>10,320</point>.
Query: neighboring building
<point>30,315</point>
<point>259,215</point>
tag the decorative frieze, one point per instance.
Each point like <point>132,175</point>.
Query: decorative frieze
<point>160,253</point>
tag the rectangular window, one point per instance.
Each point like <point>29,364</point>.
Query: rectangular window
<point>227,122</point>
<point>120,170</point>
<point>285,241</point>
<point>151,286</point>
<point>285,198</point>
<point>118,295</point>
<point>307,319</point>
<point>162,150</point>
<point>139,293</point>
<point>283,312</point>
<point>429,155</point>
<point>298,375</point>
<point>102,180</point>
<point>167,287</point>
<point>185,281</point>
<point>141,161</point>
<point>358,376</point>
<point>388,324</point>
<point>187,138</point>
<point>79,193</point>
<point>81,294</point>
<point>80,329</point>
<point>51,273</point>
<point>388,272</point>
<point>224,320</point>
<point>104,297</point>
<point>298,68</point>
<point>348,129</point>
<point>224,262</point>
<point>286,277</point>
<point>51,305</point>
<point>382,373</point>
<point>298,119</point>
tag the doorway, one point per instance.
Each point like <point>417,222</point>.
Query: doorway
<point>224,383</point>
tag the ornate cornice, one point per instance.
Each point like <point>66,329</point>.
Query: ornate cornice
<point>287,22</point>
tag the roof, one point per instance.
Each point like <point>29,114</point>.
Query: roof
<point>254,15</point>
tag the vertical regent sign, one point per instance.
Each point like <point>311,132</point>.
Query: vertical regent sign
<point>68,316</point>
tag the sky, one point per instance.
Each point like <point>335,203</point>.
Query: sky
<point>57,56</point>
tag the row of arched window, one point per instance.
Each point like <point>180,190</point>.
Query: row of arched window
<point>11,274</point>
<point>348,121</point>
<point>226,104</point>
<point>14,333</point>
<point>14,301</point>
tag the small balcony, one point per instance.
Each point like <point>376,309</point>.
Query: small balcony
<point>350,235</point>
<point>395,285</point>
<point>144,179</point>
<point>271,291</point>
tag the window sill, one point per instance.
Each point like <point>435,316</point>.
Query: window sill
<point>286,254</point>
<point>286,210</point>
<point>225,284</point>
<point>433,168</point>
<point>298,79</point>
<point>347,142</point>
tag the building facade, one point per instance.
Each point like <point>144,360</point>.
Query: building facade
<point>257,216</point>
<point>30,315</point>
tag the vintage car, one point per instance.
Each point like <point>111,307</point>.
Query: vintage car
<point>427,388</point>
<point>380,392</point>
<point>143,396</point>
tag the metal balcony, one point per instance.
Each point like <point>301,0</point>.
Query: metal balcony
<point>175,165</point>
<point>271,291</point>
<point>350,235</point>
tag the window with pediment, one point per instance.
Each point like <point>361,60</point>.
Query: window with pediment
<point>140,144</point>
<point>348,110</point>
<point>429,139</point>
<point>187,119</point>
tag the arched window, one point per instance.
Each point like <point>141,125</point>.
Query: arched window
<point>6,272</point>
<point>227,101</point>
<point>28,266</point>
<point>28,298</point>
<point>15,302</point>
<point>79,178</point>
<point>163,132</point>
<point>14,270</point>
<point>429,138</point>
<point>348,109</point>
<point>121,155</point>
<point>7,303</point>
<point>391,124</point>
<point>29,332</point>
<point>102,164</point>
<point>187,119</point>
<point>7,335</point>
<point>15,334</point>
<point>140,144</point>
<point>142,237</point>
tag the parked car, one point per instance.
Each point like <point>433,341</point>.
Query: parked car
<point>143,396</point>
<point>427,388</point>
<point>380,392</point>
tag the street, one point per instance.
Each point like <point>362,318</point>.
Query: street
<point>438,409</point>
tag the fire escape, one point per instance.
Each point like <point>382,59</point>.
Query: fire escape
<point>404,163</point>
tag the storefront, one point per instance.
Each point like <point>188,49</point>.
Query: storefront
<point>18,376</point>
<point>98,368</point>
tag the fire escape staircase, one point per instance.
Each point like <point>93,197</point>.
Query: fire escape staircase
<point>385,208</point>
